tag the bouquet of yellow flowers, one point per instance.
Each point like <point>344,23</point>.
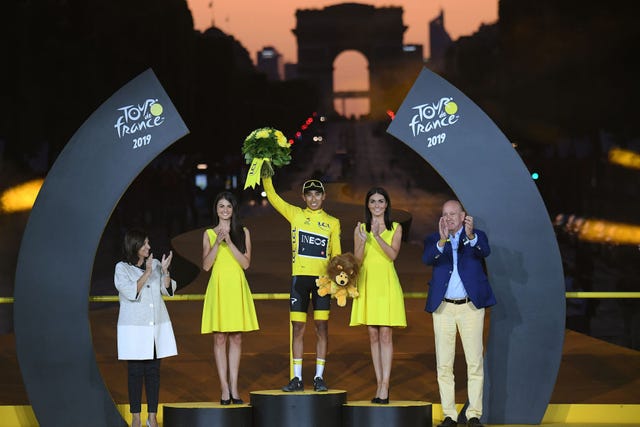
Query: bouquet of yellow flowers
<point>263,148</point>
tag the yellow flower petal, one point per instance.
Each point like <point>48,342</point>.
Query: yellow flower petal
<point>262,134</point>
<point>282,140</point>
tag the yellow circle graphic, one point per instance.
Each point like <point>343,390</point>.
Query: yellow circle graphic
<point>451,107</point>
<point>156,109</point>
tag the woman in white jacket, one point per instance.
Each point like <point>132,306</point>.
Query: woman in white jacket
<point>145,334</point>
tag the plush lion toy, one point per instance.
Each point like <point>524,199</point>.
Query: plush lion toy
<point>340,280</point>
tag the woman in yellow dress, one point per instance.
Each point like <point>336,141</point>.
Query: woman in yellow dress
<point>380,305</point>
<point>228,305</point>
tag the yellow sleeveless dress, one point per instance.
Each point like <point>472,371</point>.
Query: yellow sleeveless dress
<point>228,303</point>
<point>381,302</point>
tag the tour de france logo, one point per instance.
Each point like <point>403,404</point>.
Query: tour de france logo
<point>431,117</point>
<point>137,120</point>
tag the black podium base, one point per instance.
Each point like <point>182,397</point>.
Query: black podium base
<point>205,414</point>
<point>271,408</point>
<point>276,408</point>
<point>398,413</point>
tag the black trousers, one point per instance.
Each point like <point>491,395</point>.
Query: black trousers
<point>147,371</point>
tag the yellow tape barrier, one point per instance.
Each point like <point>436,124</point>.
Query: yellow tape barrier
<point>409,295</point>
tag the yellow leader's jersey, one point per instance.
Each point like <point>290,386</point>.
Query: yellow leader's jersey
<point>315,235</point>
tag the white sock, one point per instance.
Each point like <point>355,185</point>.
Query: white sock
<point>297,368</point>
<point>320,367</point>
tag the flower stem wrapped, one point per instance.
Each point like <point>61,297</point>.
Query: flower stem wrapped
<point>264,148</point>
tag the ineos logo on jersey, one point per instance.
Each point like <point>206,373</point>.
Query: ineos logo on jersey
<point>312,240</point>
<point>312,245</point>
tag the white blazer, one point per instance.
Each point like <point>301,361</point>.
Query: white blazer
<point>143,320</point>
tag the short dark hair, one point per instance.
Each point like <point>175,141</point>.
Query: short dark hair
<point>133,241</point>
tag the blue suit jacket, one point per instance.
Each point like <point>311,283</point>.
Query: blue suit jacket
<point>470,269</point>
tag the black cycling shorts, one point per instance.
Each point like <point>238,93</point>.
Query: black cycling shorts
<point>303,290</point>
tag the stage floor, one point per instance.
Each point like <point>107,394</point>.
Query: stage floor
<point>591,372</point>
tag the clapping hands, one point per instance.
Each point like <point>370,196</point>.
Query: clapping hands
<point>468,225</point>
<point>166,261</point>
<point>361,230</point>
<point>222,235</point>
<point>149,262</point>
<point>442,228</point>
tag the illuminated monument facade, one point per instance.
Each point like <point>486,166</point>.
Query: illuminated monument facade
<point>377,33</point>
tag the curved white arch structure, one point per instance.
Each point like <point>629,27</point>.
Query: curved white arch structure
<point>51,321</point>
<point>525,269</point>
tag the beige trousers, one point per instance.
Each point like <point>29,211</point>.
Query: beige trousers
<point>467,320</point>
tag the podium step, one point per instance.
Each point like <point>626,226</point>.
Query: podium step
<point>398,413</point>
<point>206,414</point>
<point>273,408</point>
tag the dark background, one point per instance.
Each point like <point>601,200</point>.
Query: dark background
<point>558,77</point>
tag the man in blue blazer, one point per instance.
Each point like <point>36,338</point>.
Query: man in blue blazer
<point>459,291</point>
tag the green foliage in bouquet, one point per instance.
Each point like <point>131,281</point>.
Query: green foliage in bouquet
<point>267,144</point>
